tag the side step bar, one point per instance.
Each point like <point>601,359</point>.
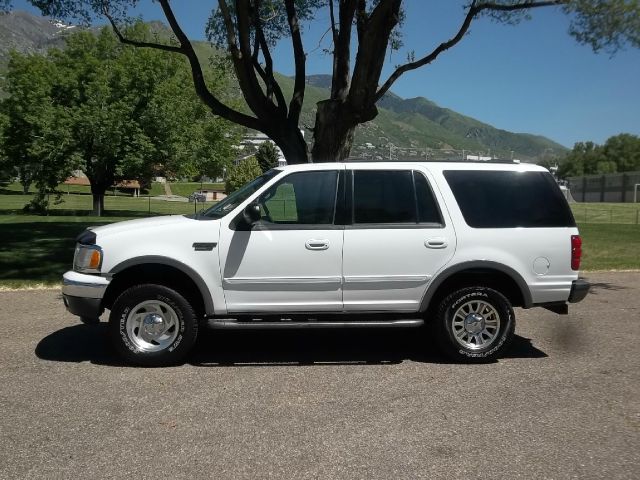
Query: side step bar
<point>230,324</point>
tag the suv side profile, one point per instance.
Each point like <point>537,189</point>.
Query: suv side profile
<point>385,244</point>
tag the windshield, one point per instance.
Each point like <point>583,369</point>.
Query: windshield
<point>220,209</point>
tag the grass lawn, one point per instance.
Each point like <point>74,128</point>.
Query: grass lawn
<point>606,213</point>
<point>185,189</point>
<point>38,249</point>
<point>122,206</point>
<point>16,188</point>
<point>610,247</point>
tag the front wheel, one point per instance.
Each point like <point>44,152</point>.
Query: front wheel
<point>152,325</point>
<point>475,324</point>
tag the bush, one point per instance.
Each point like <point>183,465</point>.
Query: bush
<point>267,156</point>
<point>242,173</point>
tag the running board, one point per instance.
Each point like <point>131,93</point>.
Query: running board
<point>286,324</point>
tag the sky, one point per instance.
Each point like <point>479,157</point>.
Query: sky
<point>531,78</point>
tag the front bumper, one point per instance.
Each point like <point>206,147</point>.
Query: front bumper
<point>82,294</point>
<point>579,290</point>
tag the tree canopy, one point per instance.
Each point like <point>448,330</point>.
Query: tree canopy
<point>111,111</point>
<point>244,172</point>
<point>362,32</point>
<point>620,153</point>
<point>267,156</point>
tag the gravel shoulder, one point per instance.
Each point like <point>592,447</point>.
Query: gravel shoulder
<point>564,403</point>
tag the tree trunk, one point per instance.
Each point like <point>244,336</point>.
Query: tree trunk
<point>98,190</point>
<point>98,204</point>
<point>333,132</point>
<point>292,143</point>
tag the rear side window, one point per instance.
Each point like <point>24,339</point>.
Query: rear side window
<point>428,211</point>
<point>495,199</point>
<point>383,197</point>
<point>393,197</point>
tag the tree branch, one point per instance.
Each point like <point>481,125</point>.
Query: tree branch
<point>216,106</point>
<point>332,18</point>
<point>243,62</point>
<point>342,51</point>
<point>135,43</point>
<point>266,73</point>
<point>370,58</point>
<point>361,18</point>
<point>295,106</point>
<point>475,8</point>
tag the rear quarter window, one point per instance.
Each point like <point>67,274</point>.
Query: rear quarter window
<point>507,199</point>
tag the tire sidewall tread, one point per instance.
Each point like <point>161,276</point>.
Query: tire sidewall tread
<point>444,333</point>
<point>181,345</point>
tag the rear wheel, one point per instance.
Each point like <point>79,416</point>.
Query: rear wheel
<point>475,324</point>
<point>153,325</point>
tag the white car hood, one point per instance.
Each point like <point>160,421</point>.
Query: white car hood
<point>141,224</point>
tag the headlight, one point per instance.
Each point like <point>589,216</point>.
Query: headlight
<point>87,259</point>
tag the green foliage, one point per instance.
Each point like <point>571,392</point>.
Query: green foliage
<point>267,156</point>
<point>5,169</point>
<point>620,153</point>
<point>273,16</point>
<point>606,25</point>
<point>244,172</point>
<point>112,111</point>
<point>36,139</point>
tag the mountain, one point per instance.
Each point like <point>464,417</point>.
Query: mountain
<point>28,33</point>
<point>404,128</point>
<point>417,123</point>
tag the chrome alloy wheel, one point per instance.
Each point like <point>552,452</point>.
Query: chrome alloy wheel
<point>476,325</point>
<point>152,325</point>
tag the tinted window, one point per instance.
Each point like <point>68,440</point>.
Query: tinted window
<point>428,211</point>
<point>383,197</point>
<point>491,199</point>
<point>301,198</point>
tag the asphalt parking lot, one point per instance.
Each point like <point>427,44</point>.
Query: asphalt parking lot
<point>564,403</point>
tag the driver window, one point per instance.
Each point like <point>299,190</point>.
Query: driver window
<point>303,198</point>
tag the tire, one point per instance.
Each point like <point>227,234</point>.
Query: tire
<point>475,325</point>
<point>90,320</point>
<point>152,326</point>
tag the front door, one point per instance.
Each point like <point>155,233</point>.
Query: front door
<point>399,238</point>
<point>291,259</point>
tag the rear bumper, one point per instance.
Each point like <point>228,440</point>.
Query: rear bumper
<point>579,290</point>
<point>82,294</point>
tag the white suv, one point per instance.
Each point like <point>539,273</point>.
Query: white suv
<point>456,245</point>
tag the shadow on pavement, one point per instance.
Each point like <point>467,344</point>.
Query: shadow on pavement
<point>595,286</point>
<point>82,343</point>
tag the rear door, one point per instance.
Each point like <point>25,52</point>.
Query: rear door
<point>399,237</point>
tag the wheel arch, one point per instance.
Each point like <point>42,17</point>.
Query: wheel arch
<point>480,272</point>
<point>161,270</point>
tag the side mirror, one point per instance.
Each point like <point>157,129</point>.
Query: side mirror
<point>252,213</point>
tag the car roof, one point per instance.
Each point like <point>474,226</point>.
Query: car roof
<point>433,166</point>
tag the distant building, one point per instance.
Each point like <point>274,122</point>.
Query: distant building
<point>478,158</point>
<point>250,143</point>
<point>79,178</point>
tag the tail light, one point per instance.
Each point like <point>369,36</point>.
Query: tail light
<point>576,252</point>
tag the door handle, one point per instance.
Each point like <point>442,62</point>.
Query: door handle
<point>437,242</point>
<point>317,244</point>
